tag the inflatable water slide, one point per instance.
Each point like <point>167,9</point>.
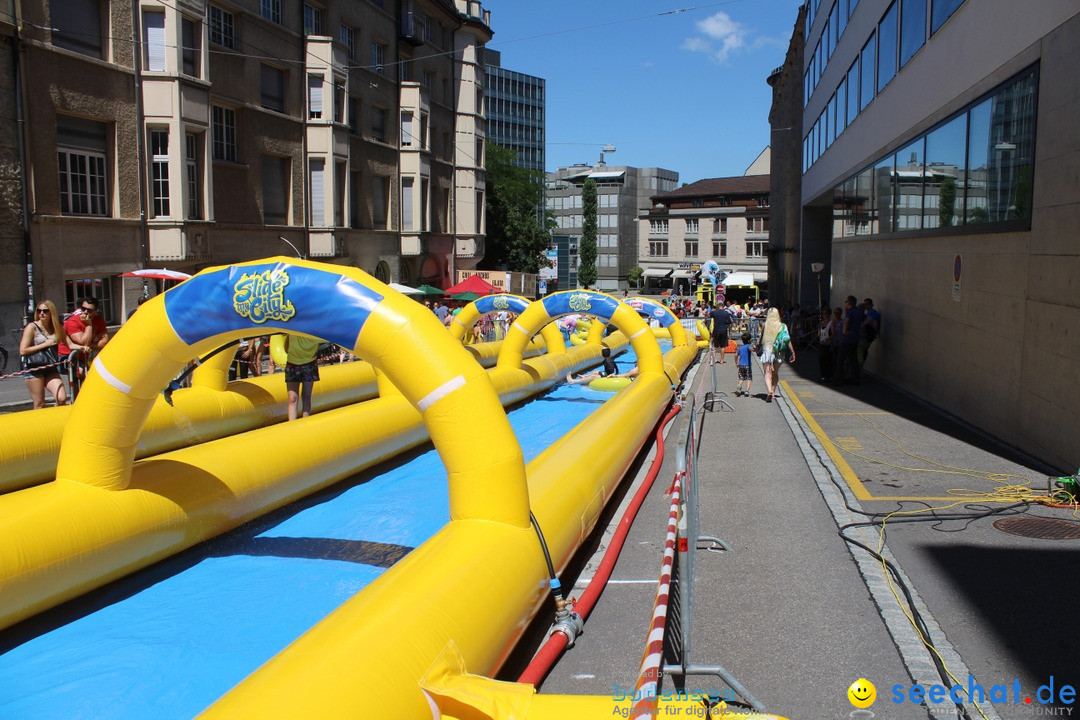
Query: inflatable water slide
<point>424,638</point>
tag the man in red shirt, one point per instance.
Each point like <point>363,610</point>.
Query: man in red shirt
<point>85,328</point>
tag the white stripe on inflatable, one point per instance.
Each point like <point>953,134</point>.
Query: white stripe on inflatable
<point>110,378</point>
<point>442,391</point>
<point>518,327</point>
<point>642,330</point>
<point>435,712</point>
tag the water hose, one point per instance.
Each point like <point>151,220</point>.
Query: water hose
<point>559,639</point>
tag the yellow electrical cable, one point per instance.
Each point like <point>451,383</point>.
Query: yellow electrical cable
<point>1003,494</point>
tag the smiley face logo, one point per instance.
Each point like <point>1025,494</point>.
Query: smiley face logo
<point>862,693</point>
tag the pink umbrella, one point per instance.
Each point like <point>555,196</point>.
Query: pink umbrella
<point>157,274</point>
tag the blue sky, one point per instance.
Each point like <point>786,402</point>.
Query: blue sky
<point>684,91</point>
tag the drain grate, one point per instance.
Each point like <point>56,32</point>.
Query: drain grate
<point>1039,528</point>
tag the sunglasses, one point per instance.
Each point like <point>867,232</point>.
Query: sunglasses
<point>88,309</point>
<point>43,310</point>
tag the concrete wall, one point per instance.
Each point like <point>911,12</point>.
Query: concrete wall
<point>1005,355</point>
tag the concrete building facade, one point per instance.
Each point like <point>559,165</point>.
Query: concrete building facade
<point>720,219</point>
<point>203,133</point>
<point>622,193</point>
<point>939,157</point>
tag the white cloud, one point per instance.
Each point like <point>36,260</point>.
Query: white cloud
<point>696,44</point>
<point>723,37</point>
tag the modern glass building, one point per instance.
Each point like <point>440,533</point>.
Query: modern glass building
<point>939,157</point>
<point>514,106</point>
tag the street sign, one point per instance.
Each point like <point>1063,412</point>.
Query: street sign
<point>956,272</point>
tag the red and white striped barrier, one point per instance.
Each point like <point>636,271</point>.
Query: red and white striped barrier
<point>649,674</point>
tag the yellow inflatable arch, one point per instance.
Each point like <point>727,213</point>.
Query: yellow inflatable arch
<point>464,320</point>
<point>342,305</point>
<point>586,302</point>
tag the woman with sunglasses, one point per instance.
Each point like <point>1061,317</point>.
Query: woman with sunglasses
<point>44,332</point>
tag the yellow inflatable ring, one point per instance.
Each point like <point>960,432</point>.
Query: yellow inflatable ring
<point>610,384</point>
<point>577,339</point>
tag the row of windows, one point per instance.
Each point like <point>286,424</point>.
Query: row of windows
<point>515,111</point>
<point>754,248</point>
<point>719,225</point>
<point>900,33</point>
<point>975,168</point>
<point>78,26</point>
<point>516,88</point>
<point>84,183</point>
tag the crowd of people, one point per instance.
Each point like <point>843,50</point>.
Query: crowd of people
<point>842,337</point>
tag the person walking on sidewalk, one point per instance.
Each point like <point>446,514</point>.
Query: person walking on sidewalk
<point>775,341</point>
<point>719,321</point>
<point>742,360</point>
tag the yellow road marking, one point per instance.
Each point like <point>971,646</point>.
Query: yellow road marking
<point>830,445</point>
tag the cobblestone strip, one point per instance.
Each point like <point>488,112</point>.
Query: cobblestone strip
<point>913,653</point>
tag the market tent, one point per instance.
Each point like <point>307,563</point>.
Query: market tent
<point>473,283</point>
<point>405,289</point>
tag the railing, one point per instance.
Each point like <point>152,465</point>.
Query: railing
<point>681,607</point>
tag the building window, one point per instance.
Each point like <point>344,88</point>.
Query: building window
<point>406,128</point>
<point>77,26</point>
<point>223,125</point>
<point>757,224</point>
<point>658,248</point>
<point>315,97</point>
<point>193,177</point>
<point>83,180</point>
<point>340,177</point>
<point>271,10</point>
<point>190,52</point>
<point>763,201</point>
<point>354,115</point>
<point>154,40</point>
<point>692,226</point>
<point>974,169</point>
<point>658,227</point>
<point>222,28</point>
<point>312,20</point>
<point>407,202</point>
<point>887,39</point>
<point>866,65</point>
<point>425,190</point>
<point>317,185</point>
<point>912,28</point>
<point>719,248</point>
<point>380,191</point>
<point>756,248</point>
<point>720,225</point>
<point>427,79</point>
<point>348,39</point>
<point>355,198</point>
<point>275,187</point>
<point>378,58</point>
<point>691,248</point>
<point>942,10</point>
<point>378,123</point>
<point>159,172</point>
<point>273,88</point>
<point>98,288</point>
<point>853,92</point>
<point>339,102</point>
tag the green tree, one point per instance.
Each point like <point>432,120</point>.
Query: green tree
<point>634,276</point>
<point>587,247</point>
<point>518,228</point>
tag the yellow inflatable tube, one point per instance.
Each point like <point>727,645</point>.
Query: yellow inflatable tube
<point>30,442</point>
<point>427,605</point>
<point>609,384</point>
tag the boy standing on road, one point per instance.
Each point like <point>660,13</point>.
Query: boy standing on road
<point>746,373</point>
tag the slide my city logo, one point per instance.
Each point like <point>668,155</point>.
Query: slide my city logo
<point>1054,699</point>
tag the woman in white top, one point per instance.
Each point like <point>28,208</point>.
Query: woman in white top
<point>770,359</point>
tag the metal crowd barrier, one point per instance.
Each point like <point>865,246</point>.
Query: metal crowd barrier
<point>681,599</point>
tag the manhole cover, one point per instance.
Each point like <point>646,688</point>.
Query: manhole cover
<point>1039,528</point>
